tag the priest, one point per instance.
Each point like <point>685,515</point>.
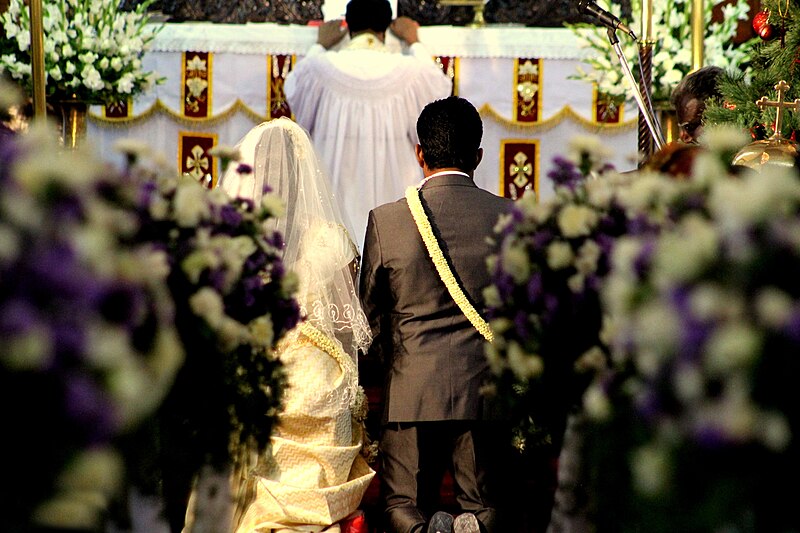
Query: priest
<point>359,100</point>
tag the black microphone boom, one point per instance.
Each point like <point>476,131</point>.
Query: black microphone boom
<point>606,18</point>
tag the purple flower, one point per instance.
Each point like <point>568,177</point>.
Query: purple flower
<point>89,406</point>
<point>534,287</point>
<point>565,173</point>
<point>643,260</point>
<point>244,168</point>
<point>230,216</point>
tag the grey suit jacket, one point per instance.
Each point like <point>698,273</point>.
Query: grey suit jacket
<point>433,357</point>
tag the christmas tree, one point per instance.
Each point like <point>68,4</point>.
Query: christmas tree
<point>775,58</point>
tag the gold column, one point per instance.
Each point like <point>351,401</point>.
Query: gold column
<point>698,33</point>
<point>647,21</point>
<point>646,143</point>
<point>37,59</point>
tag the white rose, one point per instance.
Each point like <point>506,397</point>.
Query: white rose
<point>108,346</point>
<point>773,307</point>
<point>651,469</point>
<point>125,83</point>
<point>524,365</point>
<point>515,261</point>
<point>588,255</point>
<point>732,346</point>
<point>559,255</point>
<point>775,431</point>
<point>207,304</point>
<point>190,203</point>
<point>596,403</point>
<point>491,296</point>
<point>576,220</point>
<point>262,330</point>
<point>273,205</point>
<point>657,331</point>
<point>576,282</point>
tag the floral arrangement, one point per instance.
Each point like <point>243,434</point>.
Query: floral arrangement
<point>140,311</point>
<point>672,58</point>
<point>234,302</point>
<point>88,345</point>
<point>687,320</point>
<point>92,51</point>
<point>543,302</point>
<point>696,422</point>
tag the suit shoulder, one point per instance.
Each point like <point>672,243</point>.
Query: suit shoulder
<point>390,209</point>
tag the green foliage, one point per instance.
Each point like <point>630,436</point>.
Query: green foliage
<point>772,61</point>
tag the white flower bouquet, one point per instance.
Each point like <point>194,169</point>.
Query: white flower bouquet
<point>544,302</point>
<point>672,57</point>
<point>697,421</point>
<point>88,343</point>
<point>92,51</point>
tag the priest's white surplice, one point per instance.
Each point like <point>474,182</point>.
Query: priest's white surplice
<point>360,104</point>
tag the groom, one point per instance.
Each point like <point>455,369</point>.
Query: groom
<point>435,416</point>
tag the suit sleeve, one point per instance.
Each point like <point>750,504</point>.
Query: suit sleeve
<point>373,287</point>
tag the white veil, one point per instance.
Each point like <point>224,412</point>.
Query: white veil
<point>318,245</point>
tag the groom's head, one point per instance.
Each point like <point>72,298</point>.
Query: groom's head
<point>449,132</point>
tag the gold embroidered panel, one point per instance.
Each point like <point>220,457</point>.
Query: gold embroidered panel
<point>519,167</point>
<point>278,67</point>
<point>120,110</point>
<point>605,109</point>
<point>196,86</point>
<point>527,89</point>
<point>193,158</point>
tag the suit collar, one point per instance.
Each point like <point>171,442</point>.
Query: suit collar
<point>447,180</point>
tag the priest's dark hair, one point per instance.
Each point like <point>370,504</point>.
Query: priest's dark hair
<point>449,132</point>
<point>362,15</point>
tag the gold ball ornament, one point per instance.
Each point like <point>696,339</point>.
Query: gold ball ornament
<point>767,152</point>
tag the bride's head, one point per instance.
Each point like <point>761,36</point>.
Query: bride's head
<point>317,243</point>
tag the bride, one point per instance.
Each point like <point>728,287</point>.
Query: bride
<point>314,474</point>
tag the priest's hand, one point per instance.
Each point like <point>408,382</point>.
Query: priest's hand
<point>405,29</point>
<point>330,33</point>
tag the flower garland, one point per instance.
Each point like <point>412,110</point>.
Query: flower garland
<point>446,275</point>
<point>326,344</point>
<point>358,399</point>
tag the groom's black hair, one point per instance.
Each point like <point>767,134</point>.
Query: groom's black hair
<point>361,15</point>
<point>449,132</point>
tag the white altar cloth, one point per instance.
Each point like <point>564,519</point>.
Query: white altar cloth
<point>485,75</point>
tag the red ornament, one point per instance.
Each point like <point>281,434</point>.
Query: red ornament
<point>761,25</point>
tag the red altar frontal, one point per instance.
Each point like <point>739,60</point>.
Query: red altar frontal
<point>223,79</point>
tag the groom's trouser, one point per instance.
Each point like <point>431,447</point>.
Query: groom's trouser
<point>414,457</point>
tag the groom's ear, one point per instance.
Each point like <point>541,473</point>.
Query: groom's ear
<point>420,155</point>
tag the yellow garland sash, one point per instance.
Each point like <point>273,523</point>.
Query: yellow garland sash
<point>358,398</point>
<point>326,344</point>
<point>446,275</point>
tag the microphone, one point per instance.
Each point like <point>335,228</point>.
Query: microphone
<point>605,18</point>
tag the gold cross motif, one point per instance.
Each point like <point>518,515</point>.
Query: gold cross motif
<point>763,103</point>
<point>520,169</point>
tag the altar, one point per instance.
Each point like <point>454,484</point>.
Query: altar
<point>222,79</point>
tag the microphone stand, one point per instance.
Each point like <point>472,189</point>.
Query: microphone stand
<point>646,110</point>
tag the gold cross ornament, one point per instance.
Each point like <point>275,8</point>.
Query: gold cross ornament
<point>782,87</point>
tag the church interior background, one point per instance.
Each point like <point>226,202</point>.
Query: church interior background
<point>225,63</point>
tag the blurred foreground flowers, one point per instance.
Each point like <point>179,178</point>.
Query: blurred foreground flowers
<point>660,315</point>
<point>138,313</point>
